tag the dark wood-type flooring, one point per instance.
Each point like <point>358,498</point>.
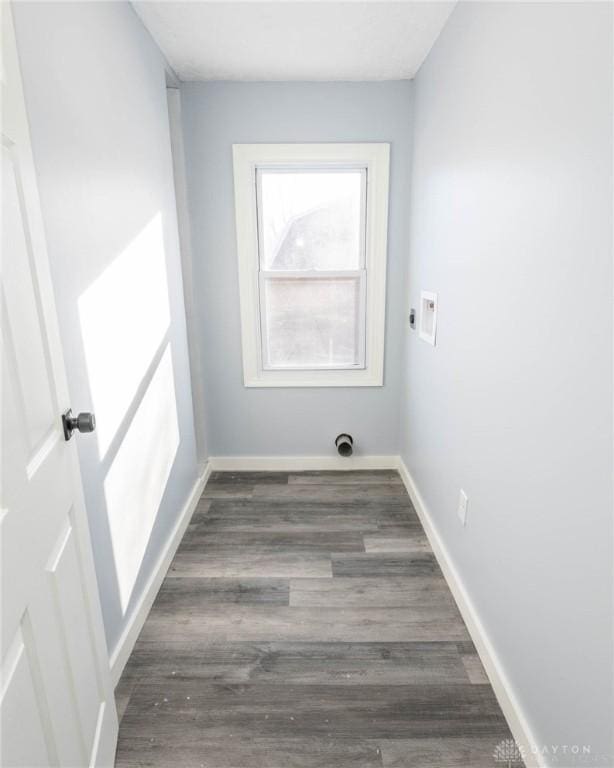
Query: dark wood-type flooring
<point>305,622</point>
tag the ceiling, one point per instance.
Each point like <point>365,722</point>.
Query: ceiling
<point>295,40</point>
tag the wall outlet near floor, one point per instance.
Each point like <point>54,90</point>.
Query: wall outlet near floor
<point>462,507</point>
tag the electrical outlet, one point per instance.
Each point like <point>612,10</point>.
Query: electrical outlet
<point>462,507</point>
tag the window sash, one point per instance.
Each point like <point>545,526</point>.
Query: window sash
<point>357,275</point>
<point>322,168</point>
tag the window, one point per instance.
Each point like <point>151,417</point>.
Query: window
<point>311,236</point>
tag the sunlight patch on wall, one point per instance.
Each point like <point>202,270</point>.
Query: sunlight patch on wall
<point>124,315</point>
<point>136,480</point>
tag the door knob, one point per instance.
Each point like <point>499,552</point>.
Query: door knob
<point>84,422</point>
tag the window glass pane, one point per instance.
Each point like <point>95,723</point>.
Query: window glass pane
<point>312,322</point>
<point>310,220</point>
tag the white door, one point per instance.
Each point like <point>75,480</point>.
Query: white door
<point>57,706</point>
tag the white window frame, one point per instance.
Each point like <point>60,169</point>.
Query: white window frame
<point>374,159</point>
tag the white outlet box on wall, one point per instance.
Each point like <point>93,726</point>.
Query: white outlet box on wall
<point>428,316</point>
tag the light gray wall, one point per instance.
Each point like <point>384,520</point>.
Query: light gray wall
<point>512,226</point>
<point>95,90</point>
<point>215,115</point>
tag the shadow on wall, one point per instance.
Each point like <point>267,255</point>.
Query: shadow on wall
<point>125,321</point>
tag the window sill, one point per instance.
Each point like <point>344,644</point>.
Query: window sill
<point>308,379</point>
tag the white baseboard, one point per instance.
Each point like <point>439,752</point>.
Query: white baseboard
<point>129,636</point>
<point>300,463</point>
<point>508,702</point>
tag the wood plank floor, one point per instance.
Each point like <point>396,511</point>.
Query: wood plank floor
<point>305,623</point>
